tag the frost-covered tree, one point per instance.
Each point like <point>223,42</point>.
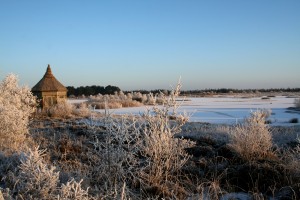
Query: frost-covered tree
<point>16,105</point>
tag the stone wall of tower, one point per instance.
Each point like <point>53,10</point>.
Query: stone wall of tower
<point>51,98</point>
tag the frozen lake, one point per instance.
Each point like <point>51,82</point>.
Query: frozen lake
<point>231,110</point>
<point>228,110</point>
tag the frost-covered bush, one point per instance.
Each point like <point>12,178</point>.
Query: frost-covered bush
<point>61,110</point>
<point>66,110</point>
<point>83,110</point>
<point>72,190</point>
<point>164,154</point>
<point>140,151</point>
<point>118,100</point>
<point>114,153</point>
<point>121,100</point>
<point>16,106</point>
<point>35,179</point>
<point>253,139</point>
<point>147,99</point>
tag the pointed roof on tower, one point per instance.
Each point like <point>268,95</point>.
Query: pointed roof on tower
<point>48,83</point>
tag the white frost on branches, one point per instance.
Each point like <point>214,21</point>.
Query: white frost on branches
<point>16,106</point>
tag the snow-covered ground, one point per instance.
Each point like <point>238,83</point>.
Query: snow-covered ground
<point>228,110</point>
<point>77,100</point>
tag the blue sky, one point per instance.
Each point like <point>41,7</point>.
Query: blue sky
<point>149,44</point>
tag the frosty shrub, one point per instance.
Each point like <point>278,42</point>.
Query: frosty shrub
<point>164,154</point>
<point>16,106</point>
<point>121,100</point>
<point>8,163</point>
<point>252,139</point>
<point>83,110</point>
<point>139,152</point>
<point>35,179</point>
<point>72,190</point>
<point>61,110</point>
<point>114,153</point>
<point>118,100</point>
<point>297,103</point>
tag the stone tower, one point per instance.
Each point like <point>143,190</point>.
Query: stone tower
<point>49,90</point>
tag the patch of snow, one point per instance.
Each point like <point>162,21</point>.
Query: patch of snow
<point>76,101</point>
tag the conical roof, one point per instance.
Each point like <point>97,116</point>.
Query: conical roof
<point>48,83</point>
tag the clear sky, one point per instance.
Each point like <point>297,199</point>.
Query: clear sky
<point>149,44</point>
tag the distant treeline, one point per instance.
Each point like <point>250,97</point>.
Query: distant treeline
<point>218,91</point>
<point>94,90</point>
<point>229,90</point>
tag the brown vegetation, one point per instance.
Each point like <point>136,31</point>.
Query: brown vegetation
<point>155,156</point>
<point>121,100</point>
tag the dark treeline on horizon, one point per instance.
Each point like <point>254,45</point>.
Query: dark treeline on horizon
<point>218,91</point>
<point>94,90</point>
<point>230,90</point>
